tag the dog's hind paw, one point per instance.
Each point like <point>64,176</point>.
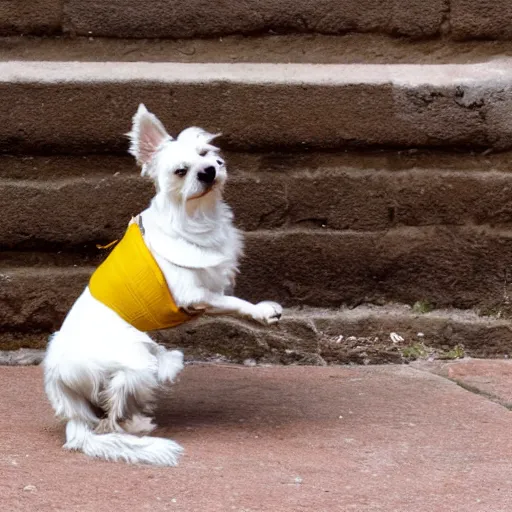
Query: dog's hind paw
<point>268,312</point>
<point>139,425</point>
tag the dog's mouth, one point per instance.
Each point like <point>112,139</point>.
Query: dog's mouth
<point>206,191</point>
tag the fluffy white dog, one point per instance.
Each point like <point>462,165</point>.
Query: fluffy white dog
<point>101,372</point>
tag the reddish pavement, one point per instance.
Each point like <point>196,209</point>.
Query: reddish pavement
<point>392,438</point>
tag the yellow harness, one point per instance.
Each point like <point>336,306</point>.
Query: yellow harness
<point>131,283</point>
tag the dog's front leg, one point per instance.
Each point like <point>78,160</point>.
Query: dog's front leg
<point>265,312</point>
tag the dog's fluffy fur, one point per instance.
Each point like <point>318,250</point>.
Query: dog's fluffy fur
<point>101,373</point>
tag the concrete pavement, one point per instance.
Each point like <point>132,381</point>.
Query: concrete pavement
<point>392,438</point>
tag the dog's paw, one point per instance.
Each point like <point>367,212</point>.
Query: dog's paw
<point>170,363</point>
<point>268,312</point>
<point>176,356</point>
<point>139,425</point>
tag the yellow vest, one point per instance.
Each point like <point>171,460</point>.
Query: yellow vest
<point>131,283</point>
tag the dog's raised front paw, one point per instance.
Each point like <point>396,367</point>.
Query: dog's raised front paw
<point>268,312</point>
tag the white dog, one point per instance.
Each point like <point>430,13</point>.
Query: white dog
<point>101,372</point>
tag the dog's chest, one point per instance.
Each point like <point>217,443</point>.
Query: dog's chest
<point>213,279</point>
<point>198,262</point>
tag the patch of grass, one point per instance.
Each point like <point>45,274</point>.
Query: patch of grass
<point>422,307</point>
<point>421,351</point>
<point>456,352</point>
<point>416,351</point>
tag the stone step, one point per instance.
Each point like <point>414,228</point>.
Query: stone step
<point>462,267</point>
<point>78,107</point>
<point>76,202</point>
<point>352,48</point>
<point>460,19</point>
<point>364,335</point>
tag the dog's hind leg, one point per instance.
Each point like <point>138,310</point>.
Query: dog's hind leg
<point>67,402</point>
<point>126,395</point>
<point>170,363</point>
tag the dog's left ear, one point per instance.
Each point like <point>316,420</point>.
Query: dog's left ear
<point>147,135</point>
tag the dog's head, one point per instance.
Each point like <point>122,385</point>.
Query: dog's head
<point>185,169</point>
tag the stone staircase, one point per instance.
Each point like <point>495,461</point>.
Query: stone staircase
<point>367,145</point>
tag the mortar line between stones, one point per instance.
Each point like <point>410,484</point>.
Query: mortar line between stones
<point>470,389</point>
<point>484,394</point>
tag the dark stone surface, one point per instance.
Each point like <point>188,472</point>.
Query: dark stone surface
<point>83,107</point>
<point>37,17</point>
<point>172,18</point>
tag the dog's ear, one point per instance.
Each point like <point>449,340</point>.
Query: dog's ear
<point>147,134</point>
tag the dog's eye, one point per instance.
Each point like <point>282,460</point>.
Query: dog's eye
<point>180,172</point>
<point>203,153</point>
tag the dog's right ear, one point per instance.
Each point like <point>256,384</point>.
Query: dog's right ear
<point>147,135</point>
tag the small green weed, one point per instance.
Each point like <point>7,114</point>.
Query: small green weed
<point>422,307</point>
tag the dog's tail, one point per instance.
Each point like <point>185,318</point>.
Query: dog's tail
<point>119,446</point>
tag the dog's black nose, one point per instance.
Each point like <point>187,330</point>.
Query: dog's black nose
<point>207,175</point>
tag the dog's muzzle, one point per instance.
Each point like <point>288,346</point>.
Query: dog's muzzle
<point>207,175</point>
